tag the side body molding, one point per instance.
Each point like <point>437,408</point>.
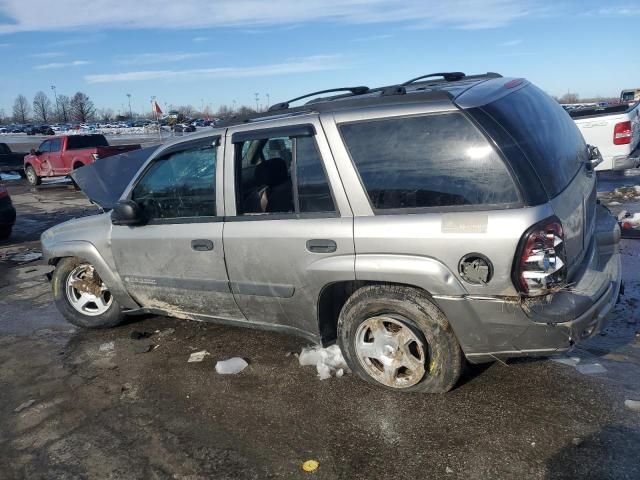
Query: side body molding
<point>424,272</point>
<point>86,250</point>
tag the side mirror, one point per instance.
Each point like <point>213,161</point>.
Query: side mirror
<point>128,213</point>
<point>35,152</point>
<point>595,157</point>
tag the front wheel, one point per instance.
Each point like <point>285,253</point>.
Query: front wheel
<point>82,297</point>
<point>395,337</point>
<point>5,231</point>
<point>32,177</point>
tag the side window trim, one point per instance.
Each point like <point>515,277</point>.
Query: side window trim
<point>293,132</point>
<point>215,141</point>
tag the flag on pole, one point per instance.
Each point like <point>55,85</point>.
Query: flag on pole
<point>156,108</point>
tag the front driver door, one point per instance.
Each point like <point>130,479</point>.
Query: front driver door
<point>45,166</point>
<point>174,263</point>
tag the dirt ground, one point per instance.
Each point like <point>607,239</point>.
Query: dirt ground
<point>78,404</point>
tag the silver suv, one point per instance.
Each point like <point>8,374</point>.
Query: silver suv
<point>451,217</point>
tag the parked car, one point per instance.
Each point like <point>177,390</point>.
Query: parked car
<point>7,214</point>
<point>63,154</point>
<point>183,128</point>
<point>615,130</point>
<point>630,96</point>
<point>11,161</point>
<point>40,130</point>
<point>416,225</point>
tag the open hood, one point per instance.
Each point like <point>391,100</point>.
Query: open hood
<point>104,180</point>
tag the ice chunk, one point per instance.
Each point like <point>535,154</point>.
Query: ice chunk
<point>591,368</point>
<point>622,215</point>
<point>571,361</point>
<point>328,361</point>
<point>633,405</point>
<point>8,176</point>
<point>197,356</point>
<point>231,366</point>
<point>107,347</point>
<point>26,257</point>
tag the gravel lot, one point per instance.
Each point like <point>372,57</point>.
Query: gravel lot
<point>72,408</point>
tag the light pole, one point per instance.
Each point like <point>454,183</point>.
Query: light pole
<point>53,87</point>
<point>130,114</point>
<point>267,101</point>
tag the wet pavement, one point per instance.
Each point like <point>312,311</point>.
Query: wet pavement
<point>75,406</point>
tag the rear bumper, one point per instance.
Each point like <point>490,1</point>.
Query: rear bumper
<point>490,328</point>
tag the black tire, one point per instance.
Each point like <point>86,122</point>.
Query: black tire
<point>413,308</point>
<point>112,317</point>
<point>5,231</point>
<point>32,177</point>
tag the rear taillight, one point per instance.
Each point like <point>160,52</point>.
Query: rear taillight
<point>95,156</point>
<point>540,261</point>
<point>3,192</point>
<point>622,133</point>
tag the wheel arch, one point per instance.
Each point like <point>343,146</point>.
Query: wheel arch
<point>87,251</point>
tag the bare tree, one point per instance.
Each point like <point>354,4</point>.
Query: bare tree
<point>64,108</point>
<point>104,114</point>
<point>21,109</point>
<point>3,117</point>
<point>41,107</point>
<point>186,110</point>
<point>224,112</point>
<point>569,98</point>
<point>82,107</point>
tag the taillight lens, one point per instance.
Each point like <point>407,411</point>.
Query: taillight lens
<point>3,192</point>
<point>540,262</point>
<point>622,133</point>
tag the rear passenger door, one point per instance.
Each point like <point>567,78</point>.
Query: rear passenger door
<point>288,227</point>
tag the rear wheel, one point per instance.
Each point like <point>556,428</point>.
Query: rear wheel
<point>395,337</point>
<point>32,177</point>
<point>82,297</point>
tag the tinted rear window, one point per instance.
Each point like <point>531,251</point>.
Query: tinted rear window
<point>86,141</point>
<point>427,161</point>
<point>545,132</point>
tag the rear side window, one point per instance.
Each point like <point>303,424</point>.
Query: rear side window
<point>427,161</point>
<point>545,132</point>
<point>86,141</point>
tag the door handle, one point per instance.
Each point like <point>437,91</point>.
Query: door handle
<point>201,245</point>
<point>321,246</point>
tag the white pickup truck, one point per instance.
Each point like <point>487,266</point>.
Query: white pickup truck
<point>615,130</point>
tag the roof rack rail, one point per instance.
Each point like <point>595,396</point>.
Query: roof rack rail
<point>448,76</point>
<point>354,91</point>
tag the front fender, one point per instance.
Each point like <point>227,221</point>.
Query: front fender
<point>87,251</point>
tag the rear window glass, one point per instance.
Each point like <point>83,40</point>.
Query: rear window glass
<point>427,161</point>
<point>86,141</point>
<point>545,132</point>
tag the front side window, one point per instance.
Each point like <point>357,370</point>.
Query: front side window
<point>281,175</point>
<point>427,161</point>
<point>56,144</point>
<point>45,146</point>
<point>179,185</point>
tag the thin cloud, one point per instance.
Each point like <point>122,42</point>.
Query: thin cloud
<point>5,45</point>
<point>160,57</point>
<point>304,65</point>
<point>75,63</point>
<point>48,55</point>
<point>199,39</point>
<point>510,43</point>
<point>64,15</point>
<point>373,38</point>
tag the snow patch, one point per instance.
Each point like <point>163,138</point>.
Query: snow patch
<point>231,366</point>
<point>328,361</point>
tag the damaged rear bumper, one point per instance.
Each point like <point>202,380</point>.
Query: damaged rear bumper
<point>490,328</point>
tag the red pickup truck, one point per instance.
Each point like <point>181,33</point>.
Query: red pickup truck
<point>60,155</point>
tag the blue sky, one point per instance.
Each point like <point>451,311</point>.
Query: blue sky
<point>212,52</point>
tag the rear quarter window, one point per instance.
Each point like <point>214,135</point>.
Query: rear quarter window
<point>545,132</point>
<point>86,141</point>
<point>438,160</point>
